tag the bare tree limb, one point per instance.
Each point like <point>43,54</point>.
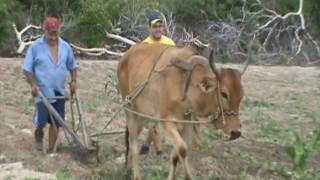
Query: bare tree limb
<point>276,16</point>
<point>314,42</point>
<point>89,51</point>
<point>120,38</point>
<point>22,43</point>
<point>298,29</point>
<point>96,51</point>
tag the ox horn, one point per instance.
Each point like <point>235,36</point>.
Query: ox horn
<point>190,63</point>
<point>214,67</point>
<point>195,60</point>
<point>244,67</point>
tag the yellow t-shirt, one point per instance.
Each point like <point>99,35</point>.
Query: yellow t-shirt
<point>163,40</point>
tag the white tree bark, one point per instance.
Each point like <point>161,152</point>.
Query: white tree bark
<point>23,43</point>
<point>298,29</point>
<point>95,51</point>
<point>120,38</point>
<point>89,51</point>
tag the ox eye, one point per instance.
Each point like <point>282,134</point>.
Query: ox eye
<point>224,95</point>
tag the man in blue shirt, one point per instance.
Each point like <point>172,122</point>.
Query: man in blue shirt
<point>46,67</point>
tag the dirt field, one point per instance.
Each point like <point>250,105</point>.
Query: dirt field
<point>280,101</point>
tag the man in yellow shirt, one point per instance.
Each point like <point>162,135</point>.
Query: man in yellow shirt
<point>156,31</point>
<point>156,37</point>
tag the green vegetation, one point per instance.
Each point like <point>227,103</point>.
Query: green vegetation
<point>86,22</point>
<point>96,19</point>
<point>12,157</point>
<point>9,177</point>
<point>31,179</point>
<point>64,174</point>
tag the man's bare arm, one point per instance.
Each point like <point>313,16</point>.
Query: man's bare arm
<point>31,81</point>
<point>73,83</point>
<point>73,74</point>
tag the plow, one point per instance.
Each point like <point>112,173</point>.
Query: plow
<point>84,141</point>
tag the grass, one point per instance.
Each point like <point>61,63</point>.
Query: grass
<point>40,168</point>
<point>245,176</point>
<point>263,164</point>
<point>266,129</point>
<point>156,172</point>
<point>108,168</point>
<point>111,172</point>
<point>4,100</point>
<point>316,92</point>
<point>91,105</point>
<point>64,142</point>
<point>12,157</point>
<point>249,103</point>
<point>9,177</point>
<point>64,174</point>
<point>304,145</point>
<point>291,134</point>
<point>314,116</point>
<point>112,88</point>
<point>209,135</point>
<point>20,126</point>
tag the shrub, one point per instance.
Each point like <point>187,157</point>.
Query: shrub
<point>10,11</point>
<point>96,18</point>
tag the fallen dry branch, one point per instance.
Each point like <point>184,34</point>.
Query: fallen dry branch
<point>271,27</point>
<point>95,51</point>
<point>23,43</point>
<point>120,38</point>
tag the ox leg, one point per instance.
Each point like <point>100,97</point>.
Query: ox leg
<point>145,148</point>
<point>197,134</point>
<point>174,158</point>
<point>155,138</point>
<point>192,132</point>
<point>134,128</point>
<point>179,152</point>
<point>187,133</point>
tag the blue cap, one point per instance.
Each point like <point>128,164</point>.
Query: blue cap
<point>154,17</point>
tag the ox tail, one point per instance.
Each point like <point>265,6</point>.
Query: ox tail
<point>127,144</point>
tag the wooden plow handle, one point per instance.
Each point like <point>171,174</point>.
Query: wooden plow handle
<point>56,115</point>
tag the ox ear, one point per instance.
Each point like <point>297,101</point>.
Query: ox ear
<point>207,85</point>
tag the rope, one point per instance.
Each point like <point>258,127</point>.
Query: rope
<point>166,120</point>
<point>134,93</point>
<point>219,103</point>
<point>113,117</point>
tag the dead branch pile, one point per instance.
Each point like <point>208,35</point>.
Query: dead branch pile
<point>272,38</point>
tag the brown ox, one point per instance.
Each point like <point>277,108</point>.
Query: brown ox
<point>170,93</point>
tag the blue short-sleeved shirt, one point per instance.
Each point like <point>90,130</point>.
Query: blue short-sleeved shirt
<point>48,76</point>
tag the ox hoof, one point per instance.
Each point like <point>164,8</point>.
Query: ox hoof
<point>235,135</point>
<point>144,150</point>
<point>162,156</point>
